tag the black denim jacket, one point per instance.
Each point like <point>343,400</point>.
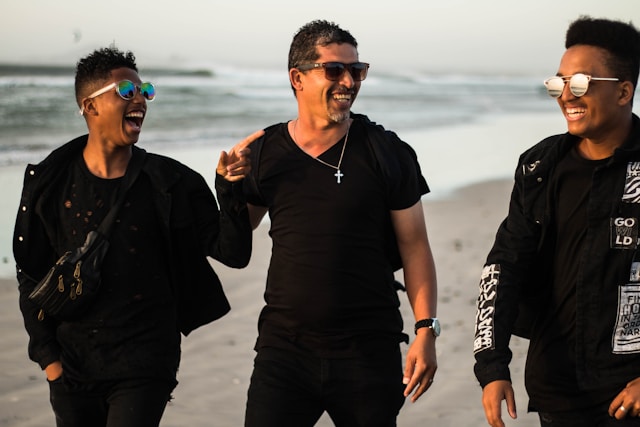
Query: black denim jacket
<point>518,268</point>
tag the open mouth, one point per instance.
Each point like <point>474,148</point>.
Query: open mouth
<point>135,119</point>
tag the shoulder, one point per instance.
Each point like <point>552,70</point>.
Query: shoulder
<point>546,149</point>
<point>65,153</point>
<point>55,165</point>
<point>275,131</point>
<point>272,135</point>
<point>384,141</point>
<point>394,156</point>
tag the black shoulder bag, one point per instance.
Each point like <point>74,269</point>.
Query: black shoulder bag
<point>72,284</point>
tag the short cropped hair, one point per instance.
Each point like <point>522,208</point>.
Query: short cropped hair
<point>619,39</point>
<point>97,67</point>
<point>316,33</point>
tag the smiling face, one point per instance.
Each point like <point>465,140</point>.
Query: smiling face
<point>597,114</point>
<point>325,99</point>
<point>116,121</point>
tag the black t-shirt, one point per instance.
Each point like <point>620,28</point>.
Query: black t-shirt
<point>329,286</point>
<point>130,331</point>
<point>551,364</point>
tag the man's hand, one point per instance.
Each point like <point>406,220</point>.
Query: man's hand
<point>627,402</point>
<point>53,370</point>
<point>421,365</point>
<point>492,396</point>
<point>235,164</point>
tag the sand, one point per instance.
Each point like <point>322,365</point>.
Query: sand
<point>217,359</point>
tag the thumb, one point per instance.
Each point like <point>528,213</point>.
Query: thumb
<point>408,371</point>
<point>511,404</point>
<point>222,164</point>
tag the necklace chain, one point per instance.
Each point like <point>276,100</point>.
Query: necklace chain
<point>338,173</point>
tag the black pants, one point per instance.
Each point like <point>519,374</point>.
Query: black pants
<point>590,417</point>
<point>130,403</point>
<point>289,389</point>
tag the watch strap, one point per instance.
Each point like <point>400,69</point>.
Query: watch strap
<point>424,323</point>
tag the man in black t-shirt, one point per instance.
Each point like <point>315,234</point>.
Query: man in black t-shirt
<point>338,188</point>
<point>563,268</point>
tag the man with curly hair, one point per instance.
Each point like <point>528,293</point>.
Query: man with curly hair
<point>564,270</point>
<point>115,363</point>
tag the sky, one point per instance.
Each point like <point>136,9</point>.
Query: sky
<point>438,36</point>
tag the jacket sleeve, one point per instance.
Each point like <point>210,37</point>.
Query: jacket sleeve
<point>43,345</point>
<point>225,233</point>
<point>502,285</point>
<point>34,256</point>
<point>235,240</point>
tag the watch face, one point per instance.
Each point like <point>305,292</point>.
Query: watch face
<point>436,327</point>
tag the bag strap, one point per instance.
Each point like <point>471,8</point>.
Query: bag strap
<point>130,176</point>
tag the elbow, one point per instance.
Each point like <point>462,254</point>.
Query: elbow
<point>239,262</point>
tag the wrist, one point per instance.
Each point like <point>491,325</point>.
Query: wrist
<point>431,323</point>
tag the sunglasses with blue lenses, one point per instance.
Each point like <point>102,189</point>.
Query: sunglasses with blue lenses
<point>334,71</point>
<point>127,90</point>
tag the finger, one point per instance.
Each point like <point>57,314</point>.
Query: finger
<point>248,140</point>
<point>615,404</point>
<point>511,404</point>
<point>493,413</point>
<point>425,384</point>
<point>244,152</point>
<point>621,412</point>
<point>221,169</point>
<point>419,382</point>
<point>412,376</point>
<point>238,163</point>
<point>408,373</point>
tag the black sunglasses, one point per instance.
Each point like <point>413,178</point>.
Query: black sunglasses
<point>335,70</point>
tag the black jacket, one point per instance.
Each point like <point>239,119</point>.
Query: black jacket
<point>192,227</point>
<point>517,273</point>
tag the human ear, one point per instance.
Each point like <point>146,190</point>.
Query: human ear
<point>295,77</point>
<point>89,107</point>
<point>626,92</point>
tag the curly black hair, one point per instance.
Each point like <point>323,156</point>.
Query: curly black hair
<point>97,67</point>
<point>620,39</point>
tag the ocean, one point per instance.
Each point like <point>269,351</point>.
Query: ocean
<point>450,120</point>
<point>218,106</point>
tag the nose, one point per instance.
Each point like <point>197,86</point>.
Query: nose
<point>566,93</point>
<point>347,79</point>
<point>138,97</point>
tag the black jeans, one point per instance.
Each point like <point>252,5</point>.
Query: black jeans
<point>591,417</point>
<point>289,389</point>
<point>129,403</point>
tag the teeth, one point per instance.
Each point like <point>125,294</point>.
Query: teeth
<point>138,114</point>
<point>575,110</point>
<point>345,97</point>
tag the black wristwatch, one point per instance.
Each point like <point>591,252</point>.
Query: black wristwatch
<point>433,324</point>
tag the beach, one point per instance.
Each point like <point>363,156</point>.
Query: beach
<point>217,359</point>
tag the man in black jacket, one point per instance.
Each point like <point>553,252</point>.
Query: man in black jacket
<point>115,363</point>
<point>563,270</point>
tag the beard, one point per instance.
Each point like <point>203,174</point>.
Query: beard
<point>339,117</point>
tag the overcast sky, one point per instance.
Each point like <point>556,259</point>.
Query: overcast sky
<point>471,36</point>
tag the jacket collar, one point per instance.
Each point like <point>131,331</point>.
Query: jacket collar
<point>631,146</point>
